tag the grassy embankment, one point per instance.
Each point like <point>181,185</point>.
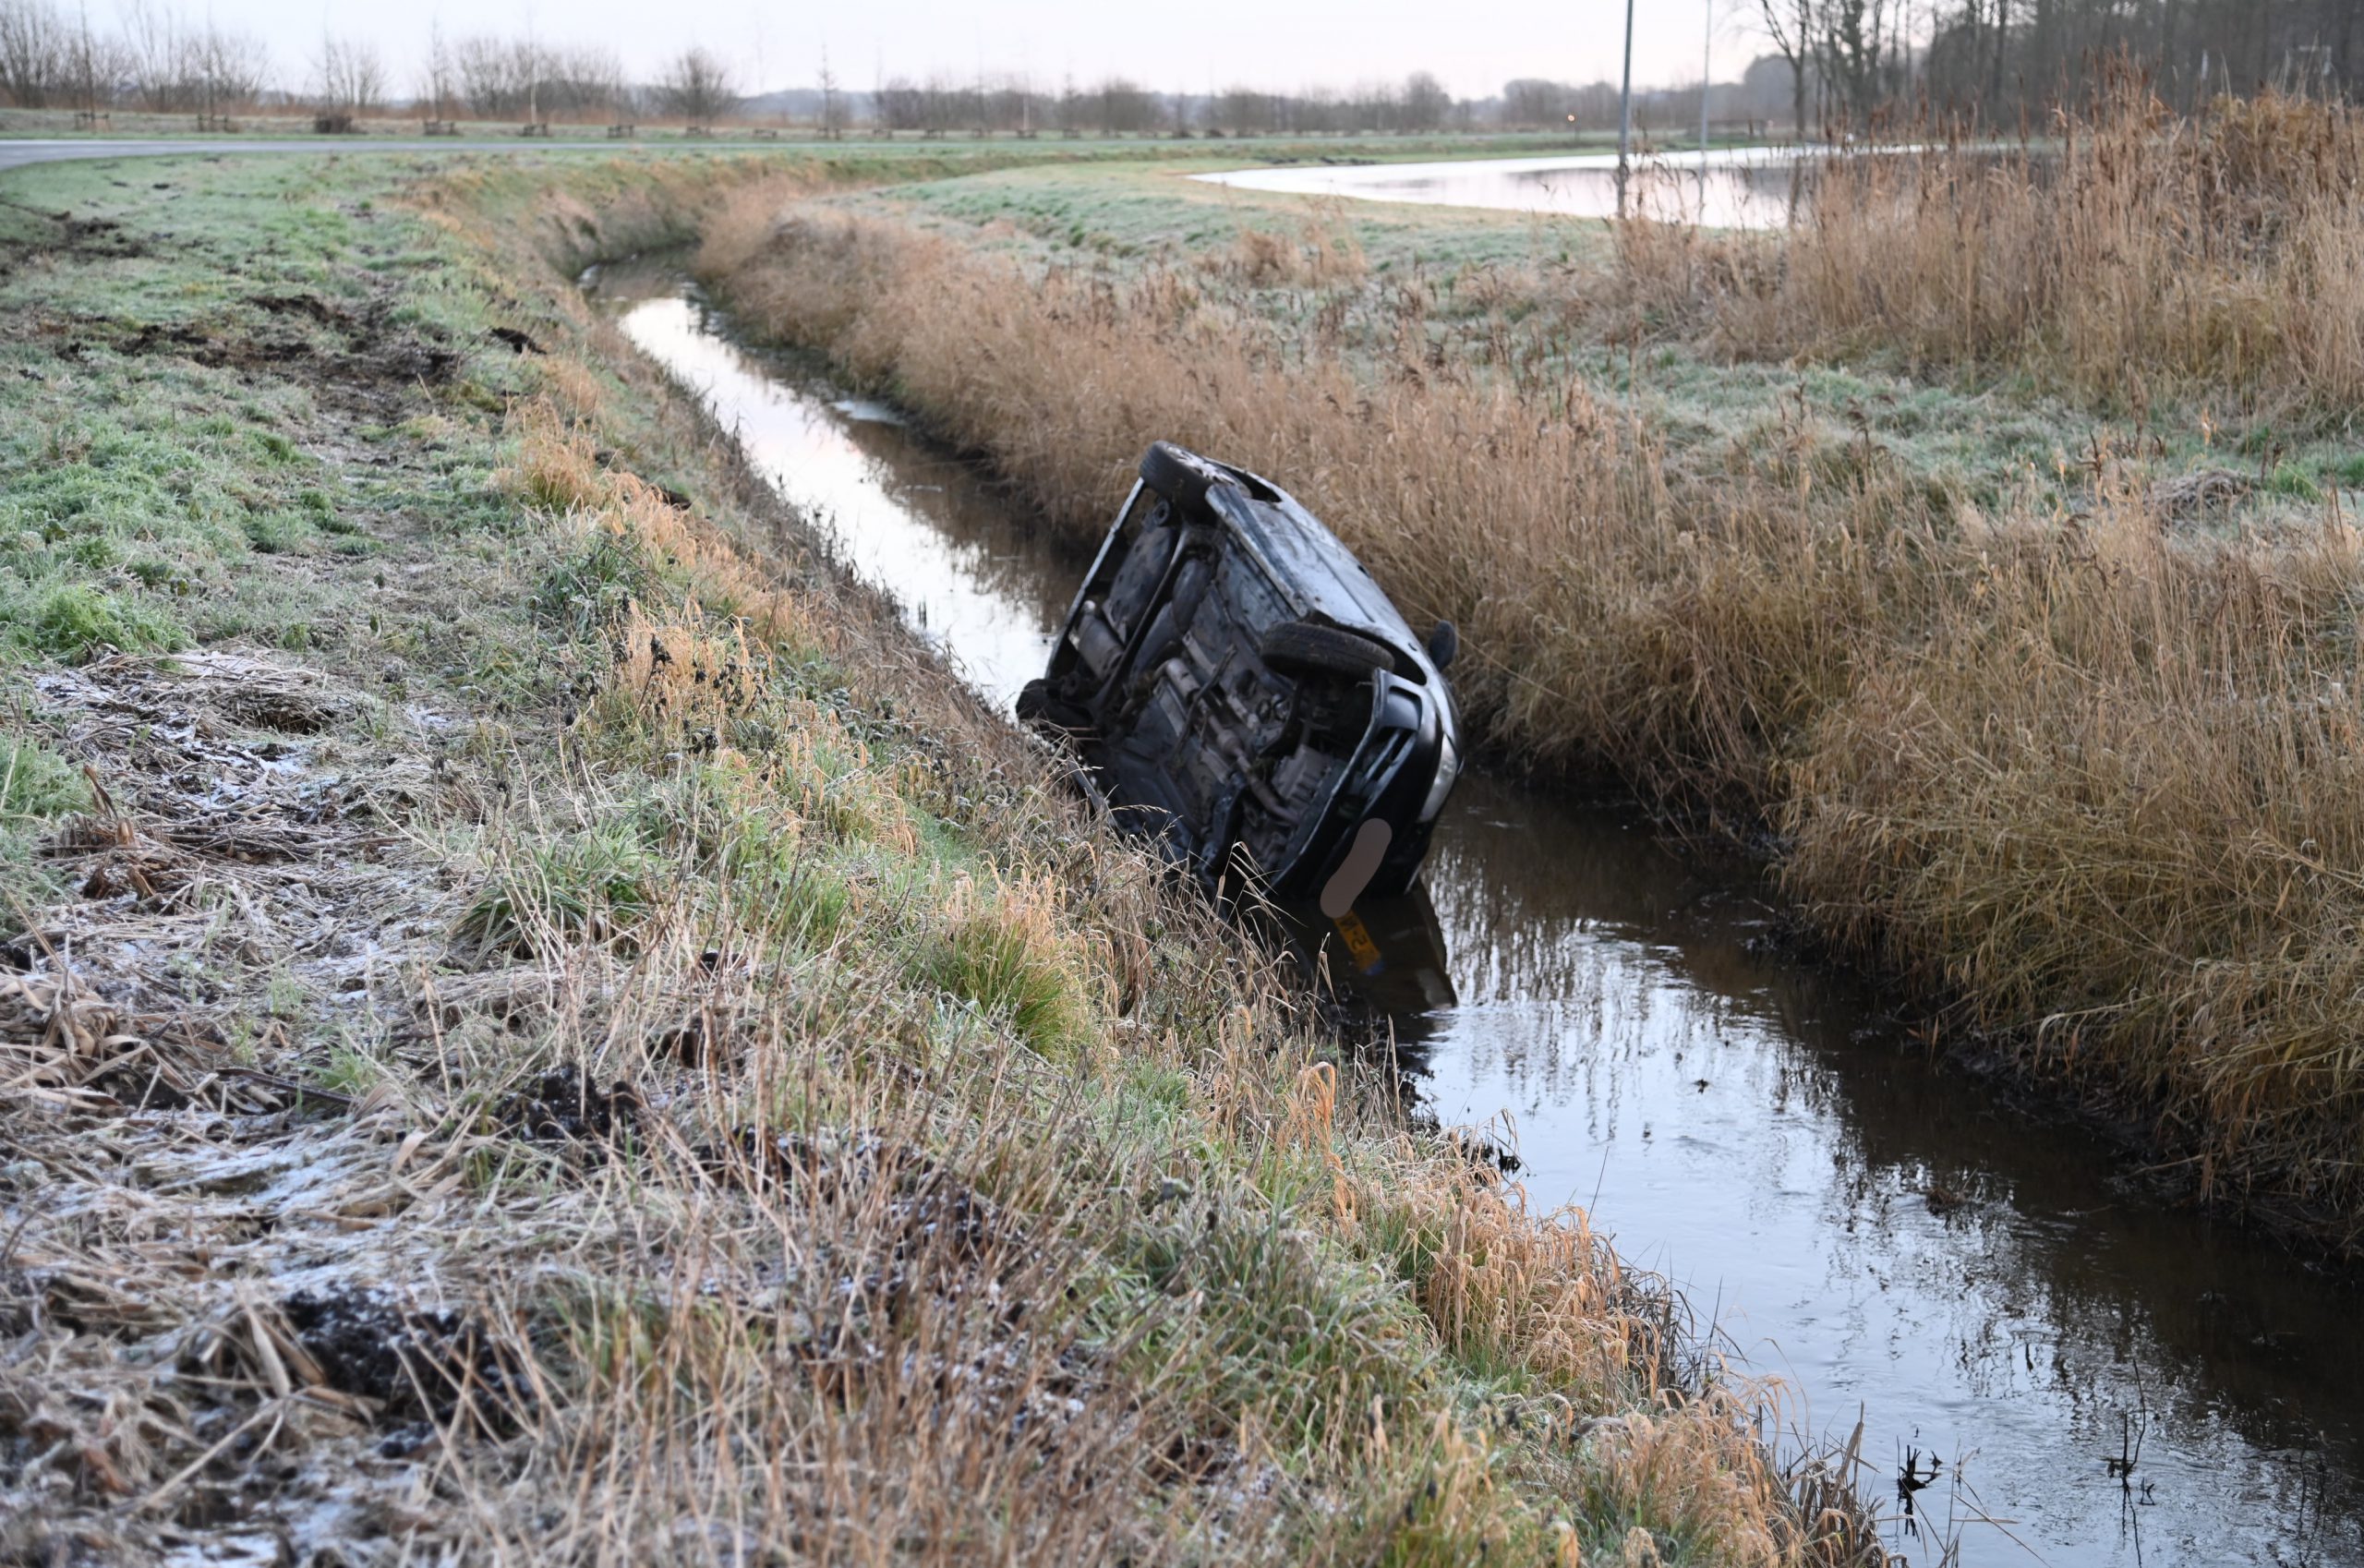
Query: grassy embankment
<point>1985,542</point>
<point>537,1025</point>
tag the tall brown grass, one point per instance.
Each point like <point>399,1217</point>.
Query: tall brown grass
<point>2136,254</point>
<point>2095,784</point>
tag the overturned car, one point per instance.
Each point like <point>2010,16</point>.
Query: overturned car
<point>1241,691</point>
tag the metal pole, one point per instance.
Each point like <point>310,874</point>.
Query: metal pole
<point>1706,75</point>
<point>1706,78</point>
<point>1625,113</point>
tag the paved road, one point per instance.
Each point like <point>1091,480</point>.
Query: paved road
<point>16,154</point>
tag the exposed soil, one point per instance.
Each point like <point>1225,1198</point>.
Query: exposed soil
<point>409,1363</point>
<point>82,239</point>
<point>355,359</point>
<point>562,1105</point>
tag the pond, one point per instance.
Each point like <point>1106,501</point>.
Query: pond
<point>1725,187</point>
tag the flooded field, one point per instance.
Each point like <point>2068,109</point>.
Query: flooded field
<point>1742,187</point>
<point>2052,1365</point>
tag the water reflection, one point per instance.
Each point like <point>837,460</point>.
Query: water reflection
<point>1984,1285</point>
<point>1989,1287</point>
<point>901,511</point>
<point>1744,188</point>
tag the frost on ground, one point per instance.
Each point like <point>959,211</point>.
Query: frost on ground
<point>199,1232</point>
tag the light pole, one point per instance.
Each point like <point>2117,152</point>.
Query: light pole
<point>1625,113</point>
<point>1706,83</point>
<point>1707,76</point>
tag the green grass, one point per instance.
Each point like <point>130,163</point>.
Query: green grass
<point>36,784</point>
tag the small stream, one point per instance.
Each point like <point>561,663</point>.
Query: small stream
<point>1983,1287</point>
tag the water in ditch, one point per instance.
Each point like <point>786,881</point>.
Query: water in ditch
<point>1987,1289</point>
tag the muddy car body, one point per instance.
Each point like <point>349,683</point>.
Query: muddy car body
<point>1241,691</point>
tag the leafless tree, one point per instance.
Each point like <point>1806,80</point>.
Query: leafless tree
<point>1793,28</point>
<point>832,110</point>
<point>172,67</point>
<point>438,77</point>
<point>2008,58</point>
<point>95,63</point>
<point>36,53</point>
<point>1426,102</point>
<point>697,87</point>
<point>231,68</point>
<point>1126,107</point>
<point>348,77</point>
<point>1852,49</point>
<point>154,45</point>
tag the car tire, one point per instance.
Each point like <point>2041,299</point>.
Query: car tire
<point>1039,706</point>
<point>1175,475</point>
<point>1308,647</point>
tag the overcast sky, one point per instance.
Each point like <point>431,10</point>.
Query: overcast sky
<point>1473,45</point>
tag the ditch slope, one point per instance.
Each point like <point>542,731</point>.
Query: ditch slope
<point>539,1024</point>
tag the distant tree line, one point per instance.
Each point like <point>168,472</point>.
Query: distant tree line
<point>1122,107</point>
<point>158,60</point>
<point>1834,67</point>
<point>2005,56</point>
<point>1850,63</point>
<point>154,59</point>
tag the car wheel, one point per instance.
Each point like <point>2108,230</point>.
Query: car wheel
<point>1307,647</point>
<point>1040,706</point>
<point>1170,471</point>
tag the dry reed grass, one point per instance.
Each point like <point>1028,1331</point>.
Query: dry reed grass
<point>1322,252</point>
<point>2141,255</point>
<point>2093,783</point>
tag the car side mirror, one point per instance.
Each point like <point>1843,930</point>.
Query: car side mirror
<point>1445,642</point>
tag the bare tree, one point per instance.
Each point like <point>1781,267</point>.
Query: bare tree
<point>1127,107</point>
<point>154,46</point>
<point>1850,50</point>
<point>438,79</point>
<point>832,111</point>
<point>232,68</point>
<point>1426,102</point>
<point>94,64</point>
<point>493,73</point>
<point>697,87</point>
<point>36,53</point>
<point>349,79</point>
<point>1793,27</point>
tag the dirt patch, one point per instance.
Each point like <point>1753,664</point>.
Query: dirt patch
<point>410,1364</point>
<point>195,811</point>
<point>81,239</point>
<point>565,1106</point>
<point>309,304</point>
<point>358,360</point>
